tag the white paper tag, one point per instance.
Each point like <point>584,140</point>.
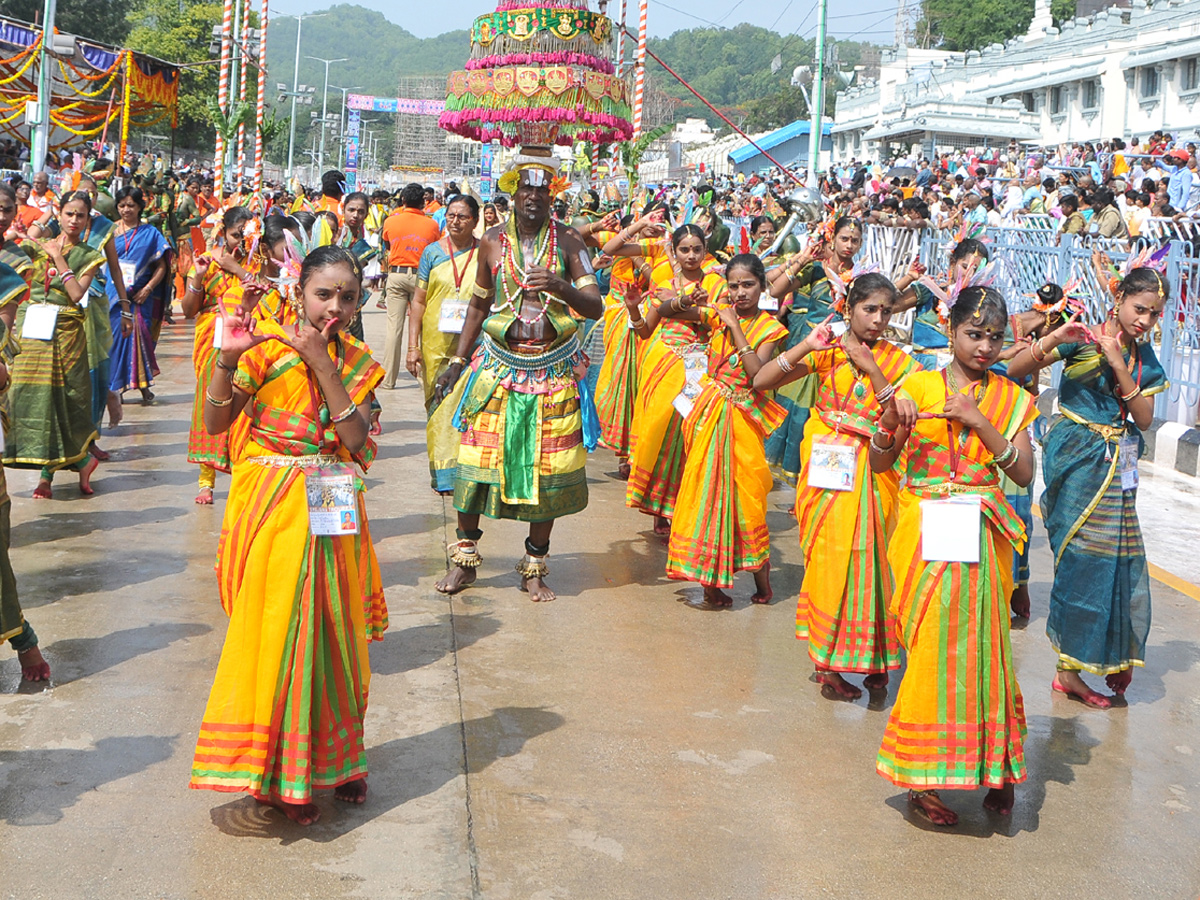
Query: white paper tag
<point>683,405</point>
<point>767,303</point>
<point>839,327</point>
<point>332,503</point>
<point>832,466</point>
<point>695,363</point>
<point>219,333</point>
<point>1127,462</point>
<point>950,529</point>
<point>39,321</point>
<point>128,272</point>
<point>452,316</point>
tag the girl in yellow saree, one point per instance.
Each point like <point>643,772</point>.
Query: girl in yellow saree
<point>285,715</point>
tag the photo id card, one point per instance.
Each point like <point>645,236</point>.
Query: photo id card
<point>332,501</point>
<point>1127,462</point>
<point>950,529</point>
<point>832,465</point>
<point>453,315</point>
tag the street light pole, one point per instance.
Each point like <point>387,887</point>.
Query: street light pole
<point>296,87</point>
<point>345,91</point>
<point>40,136</point>
<point>325,107</point>
<point>818,98</point>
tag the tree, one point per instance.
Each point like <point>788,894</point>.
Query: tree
<point>103,21</point>
<point>775,110</point>
<point>973,24</point>
<point>630,153</point>
<point>179,31</point>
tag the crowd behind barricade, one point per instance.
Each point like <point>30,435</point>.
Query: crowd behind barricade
<point>719,359</point>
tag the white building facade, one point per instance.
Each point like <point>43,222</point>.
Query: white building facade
<point>1119,73</point>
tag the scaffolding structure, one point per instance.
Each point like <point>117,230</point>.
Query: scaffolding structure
<point>420,145</point>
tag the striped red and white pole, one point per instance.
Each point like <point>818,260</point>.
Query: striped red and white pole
<point>639,88</point>
<point>260,108</point>
<point>223,93</point>
<point>621,40</point>
<point>595,173</point>
<point>245,64</point>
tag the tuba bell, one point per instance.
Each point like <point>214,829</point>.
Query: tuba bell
<point>806,207</point>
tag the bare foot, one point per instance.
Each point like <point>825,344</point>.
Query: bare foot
<point>623,470</point>
<point>876,681</point>
<point>115,413</point>
<point>85,477</point>
<point>662,526</point>
<point>456,578</point>
<point>762,584</point>
<point>714,598</point>
<point>1073,686</point>
<point>929,805</point>
<point>376,428</point>
<point>1118,682</point>
<point>43,490</point>
<point>147,396</point>
<point>838,687</point>
<point>205,497</point>
<point>1000,800</point>
<point>102,455</point>
<point>537,590</point>
<point>300,813</point>
<point>33,665</point>
<point>352,791</point>
<point>1019,603</point>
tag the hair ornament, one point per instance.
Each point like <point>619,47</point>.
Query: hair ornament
<point>839,285</point>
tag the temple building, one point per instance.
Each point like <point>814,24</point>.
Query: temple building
<point>1121,72</point>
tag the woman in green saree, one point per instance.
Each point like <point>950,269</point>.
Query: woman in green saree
<point>51,395</point>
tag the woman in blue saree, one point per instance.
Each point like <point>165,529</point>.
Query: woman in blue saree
<point>143,253</point>
<point>1100,602</point>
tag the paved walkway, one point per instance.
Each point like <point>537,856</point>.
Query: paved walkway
<point>613,744</point>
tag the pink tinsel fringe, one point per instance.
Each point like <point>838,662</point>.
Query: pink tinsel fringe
<point>482,124</point>
<point>588,61</point>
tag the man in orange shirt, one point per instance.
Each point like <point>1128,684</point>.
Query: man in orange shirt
<point>431,201</point>
<point>406,234</point>
<point>333,188</point>
<point>41,196</point>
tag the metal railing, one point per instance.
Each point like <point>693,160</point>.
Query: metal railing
<point>1029,257</point>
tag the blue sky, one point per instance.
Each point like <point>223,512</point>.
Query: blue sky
<point>867,20</point>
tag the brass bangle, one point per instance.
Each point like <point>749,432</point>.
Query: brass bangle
<point>458,360</point>
<point>745,350</point>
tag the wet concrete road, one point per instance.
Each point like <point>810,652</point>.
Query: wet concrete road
<point>613,744</point>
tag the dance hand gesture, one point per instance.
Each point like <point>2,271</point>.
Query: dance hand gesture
<point>728,316</point>
<point>899,417</point>
<point>1073,332</point>
<point>858,353</point>
<point>253,291</point>
<point>698,296</point>
<point>312,344</point>
<point>822,337</point>
<point>962,408</point>
<point>239,334</point>
<point>915,269</point>
<point>1112,346</point>
<point>611,222</point>
<point>632,298</point>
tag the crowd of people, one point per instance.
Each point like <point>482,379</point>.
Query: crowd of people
<point>730,362</point>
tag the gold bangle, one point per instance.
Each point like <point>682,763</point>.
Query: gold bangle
<point>458,360</point>
<point>745,350</point>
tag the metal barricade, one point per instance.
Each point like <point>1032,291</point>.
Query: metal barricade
<point>1029,257</point>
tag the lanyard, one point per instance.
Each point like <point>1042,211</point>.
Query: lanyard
<point>458,277</point>
<point>129,235</point>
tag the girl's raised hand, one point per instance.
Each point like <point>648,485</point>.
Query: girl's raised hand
<point>312,344</point>
<point>1074,332</point>
<point>239,333</point>
<point>963,409</point>
<point>822,337</point>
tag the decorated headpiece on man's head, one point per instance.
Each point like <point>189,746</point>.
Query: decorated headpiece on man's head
<point>540,167</point>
